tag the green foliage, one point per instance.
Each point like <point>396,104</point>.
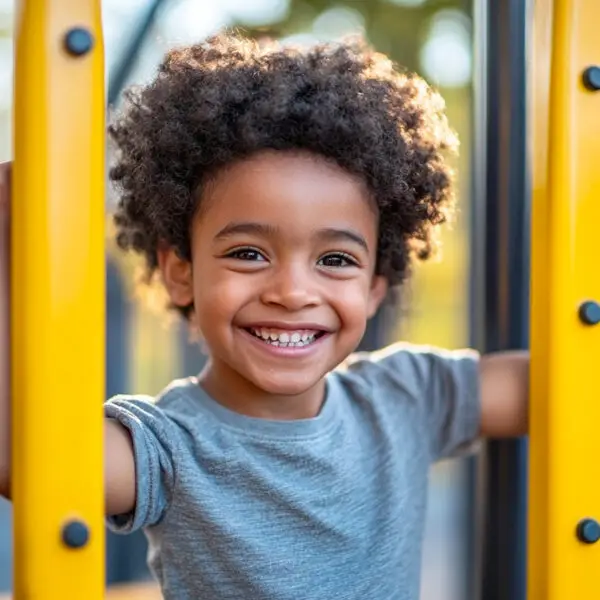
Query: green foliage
<point>393,27</point>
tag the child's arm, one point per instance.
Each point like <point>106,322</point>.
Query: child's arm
<point>505,394</point>
<point>119,469</point>
<point>119,461</point>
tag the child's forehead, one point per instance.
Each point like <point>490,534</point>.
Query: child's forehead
<point>298,165</point>
<point>287,190</point>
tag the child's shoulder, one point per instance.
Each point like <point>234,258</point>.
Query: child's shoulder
<point>179,395</point>
<point>412,369</point>
<point>406,357</point>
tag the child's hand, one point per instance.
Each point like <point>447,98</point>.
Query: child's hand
<point>5,193</point>
<point>5,173</point>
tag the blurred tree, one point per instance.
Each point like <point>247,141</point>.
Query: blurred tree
<point>395,27</point>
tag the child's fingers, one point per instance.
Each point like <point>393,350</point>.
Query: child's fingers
<point>5,174</point>
<point>5,193</point>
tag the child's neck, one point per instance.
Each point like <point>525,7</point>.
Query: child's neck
<point>238,394</point>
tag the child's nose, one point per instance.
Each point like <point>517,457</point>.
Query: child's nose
<point>292,288</point>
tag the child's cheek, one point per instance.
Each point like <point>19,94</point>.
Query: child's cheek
<point>351,303</point>
<point>223,295</point>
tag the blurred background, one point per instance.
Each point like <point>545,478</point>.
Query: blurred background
<point>432,37</point>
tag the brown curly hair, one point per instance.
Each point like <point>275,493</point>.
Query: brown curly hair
<point>222,100</point>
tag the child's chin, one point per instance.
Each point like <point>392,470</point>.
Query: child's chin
<point>287,387</point>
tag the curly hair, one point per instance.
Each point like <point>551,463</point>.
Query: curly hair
<point>220,101</point>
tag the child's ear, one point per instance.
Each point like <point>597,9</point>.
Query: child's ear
<point>377,293</point>
<point>176,274</point>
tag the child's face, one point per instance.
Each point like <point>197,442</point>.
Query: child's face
<point>282,274</point>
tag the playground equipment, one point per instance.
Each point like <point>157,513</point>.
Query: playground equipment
<point>58,320</point>
<point>57,304</point>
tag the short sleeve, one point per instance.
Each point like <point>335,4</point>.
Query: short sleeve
<point>154,437</point>
<point>444,385</point>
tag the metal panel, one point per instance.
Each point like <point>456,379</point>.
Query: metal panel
<point>565,410</point>
<point>58,313</point>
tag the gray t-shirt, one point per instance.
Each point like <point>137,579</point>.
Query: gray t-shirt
<point>240,508</point>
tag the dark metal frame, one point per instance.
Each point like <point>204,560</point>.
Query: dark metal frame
<point>501,262</point>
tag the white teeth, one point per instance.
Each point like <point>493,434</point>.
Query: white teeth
<point>295,339</point>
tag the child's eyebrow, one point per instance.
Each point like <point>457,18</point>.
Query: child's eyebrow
<point>332,234</point>
<point>248,228</point>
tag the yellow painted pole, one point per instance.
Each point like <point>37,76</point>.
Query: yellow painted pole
<point>564,506</point>
<point>57,309</point>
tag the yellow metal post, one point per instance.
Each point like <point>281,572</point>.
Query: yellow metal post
<point>57,310</point>
<point>565,338</point>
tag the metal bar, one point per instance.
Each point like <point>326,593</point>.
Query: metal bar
<point>503,190</point>
<point>475,504</point>
<point>565,410</point>
<point>57,300</point>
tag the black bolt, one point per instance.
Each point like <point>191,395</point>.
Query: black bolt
<point>75,534</point>
<point>589,313</point>
<point>588,531</point>
<point>591,78</point>
<point>78,41</point>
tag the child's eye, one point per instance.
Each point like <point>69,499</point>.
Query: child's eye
<point>337,259</point>
<point>250,254</point>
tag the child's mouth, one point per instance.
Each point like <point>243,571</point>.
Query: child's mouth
<point>285,339</point>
